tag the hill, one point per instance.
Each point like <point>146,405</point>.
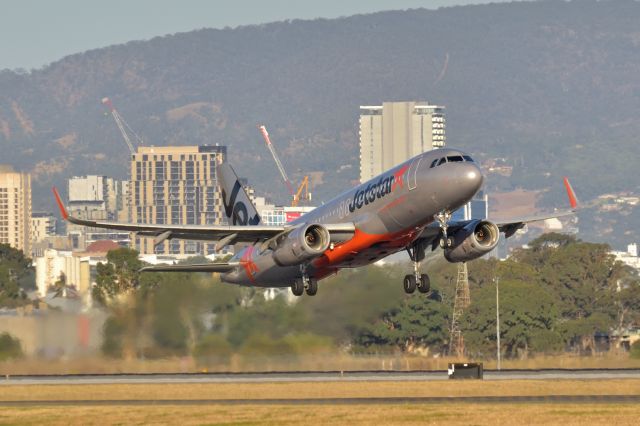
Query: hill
<point>554,87</point>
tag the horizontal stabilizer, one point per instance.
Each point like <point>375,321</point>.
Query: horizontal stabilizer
<point>203,267</point>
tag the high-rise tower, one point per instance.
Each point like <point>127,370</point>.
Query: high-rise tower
<point>15,209</point>
<point>396,131</point>
<point>176,185</point>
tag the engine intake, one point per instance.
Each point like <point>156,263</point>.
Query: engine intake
<point>302,244</point>
<point>473,241</point>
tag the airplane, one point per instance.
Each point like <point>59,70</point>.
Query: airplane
<point>405,208</point>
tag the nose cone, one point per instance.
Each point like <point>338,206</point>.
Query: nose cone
<point>469,179</point>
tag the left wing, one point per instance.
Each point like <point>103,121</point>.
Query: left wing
<point>224,234</point>
<point>431,234</point>
<point>510,226</point>
<point>203,267</point>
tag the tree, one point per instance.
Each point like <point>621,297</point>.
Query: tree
<point>9,347</point>
<point>119,276</point>
<point>627,300</point>
<point>528,318</point>
<point>271,319</point>
<point>585,280</point>
<point>635,350</point>
<point>352,300</point>
<point>62,289</point>
<point>15,272</point>
<point>416,324</point>
<point>127,328</point>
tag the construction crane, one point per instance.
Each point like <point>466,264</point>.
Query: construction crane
<point>304,186</point>
<point>122,125</point>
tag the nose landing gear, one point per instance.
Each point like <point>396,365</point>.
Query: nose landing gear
<point>443,219</point>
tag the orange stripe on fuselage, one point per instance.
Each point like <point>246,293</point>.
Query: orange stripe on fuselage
<point>360,242</point>
<point>250,267</point>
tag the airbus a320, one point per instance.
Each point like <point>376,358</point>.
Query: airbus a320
<point>406,208</point>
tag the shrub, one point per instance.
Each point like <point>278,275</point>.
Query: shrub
<point>635,350</point>
<point>213,346</point>
<point>9,347</point>
<point>113,332</point>
<point>260,345</point>
<point>308,343</point>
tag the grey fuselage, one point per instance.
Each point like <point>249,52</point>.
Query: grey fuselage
<point>389,212</point>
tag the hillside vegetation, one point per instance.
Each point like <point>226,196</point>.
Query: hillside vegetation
<point>552,86</point>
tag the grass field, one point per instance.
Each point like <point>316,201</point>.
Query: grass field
<point>409,414</point>
<point>292,390</point>
<point>446,413</point>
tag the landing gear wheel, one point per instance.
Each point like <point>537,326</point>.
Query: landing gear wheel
<point>409,284</point>
<point>424,284</point>
<point>312,287</point>
<point>446,242</point>
<point>443,218</point>
<point>297,288</point>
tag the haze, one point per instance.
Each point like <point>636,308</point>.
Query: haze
<point>36,33</point>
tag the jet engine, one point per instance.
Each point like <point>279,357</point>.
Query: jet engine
<point>302,244</point>
<point>478,238</point>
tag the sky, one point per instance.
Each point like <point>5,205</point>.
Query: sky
<point>34,33</point>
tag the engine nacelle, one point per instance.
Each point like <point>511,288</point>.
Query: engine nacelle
<point>474,240</point>
<point>302,244</point>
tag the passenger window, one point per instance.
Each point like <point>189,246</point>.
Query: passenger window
<point>442,161</point>
<point>467,158</point>
<point>455,159</point>
<point>433,163</point>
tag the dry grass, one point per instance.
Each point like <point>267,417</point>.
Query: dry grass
<point>294,390</point>
<point>407,414</point>
<point>410,414</point>
<point>324,362</point>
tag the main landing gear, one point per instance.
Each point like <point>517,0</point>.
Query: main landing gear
<point>417,280</point>
<point>304,284</point>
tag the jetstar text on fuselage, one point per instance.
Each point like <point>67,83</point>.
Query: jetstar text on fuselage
<point>376,190</point>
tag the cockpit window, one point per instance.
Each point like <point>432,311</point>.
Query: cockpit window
<point>450,159</point>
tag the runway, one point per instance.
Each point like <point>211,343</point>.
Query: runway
<point>328,376</point>
<point>558,399</point>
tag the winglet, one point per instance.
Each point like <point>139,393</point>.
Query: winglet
<point>63,211</point>
<point>572,195</point>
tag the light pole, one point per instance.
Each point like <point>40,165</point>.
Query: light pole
<point>498,319</point>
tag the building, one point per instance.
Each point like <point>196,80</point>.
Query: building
<point>629,257</point>
<point>96,197</point>
<point>43,225</point>
<point>15,209</point>
<point>176,185</point>
<point>477,208</point>
<point>396,131</point>
<point>99,198</point>
<point>279,215</point>
<point>77,268</point>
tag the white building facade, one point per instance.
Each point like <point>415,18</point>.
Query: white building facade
<point>393,132</point>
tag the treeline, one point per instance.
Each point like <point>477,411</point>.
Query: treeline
<point>554,297</point>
